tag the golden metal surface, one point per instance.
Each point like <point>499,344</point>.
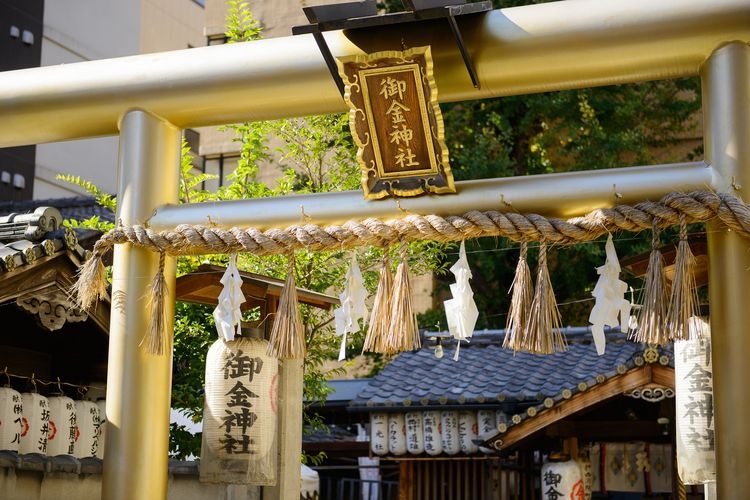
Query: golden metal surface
<point>726,94</point>
<point>518,50</point>
<point>563,195</point>
<point>138,384</point>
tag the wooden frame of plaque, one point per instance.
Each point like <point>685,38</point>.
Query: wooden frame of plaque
<point>396,123</point>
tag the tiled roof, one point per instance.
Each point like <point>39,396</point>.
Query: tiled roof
<point>77,207</point>
<point>38,233</point>
<point>487,374</point>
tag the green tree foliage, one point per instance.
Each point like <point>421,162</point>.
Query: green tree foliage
<point>605,127</point>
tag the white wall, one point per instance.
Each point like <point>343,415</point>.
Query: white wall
<point>82,30</point>
<point>75,31</point>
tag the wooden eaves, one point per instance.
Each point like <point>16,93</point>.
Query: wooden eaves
<point>203,286</point>
<point>638,377</point>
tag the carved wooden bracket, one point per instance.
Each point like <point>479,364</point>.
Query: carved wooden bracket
<point>54,309</point>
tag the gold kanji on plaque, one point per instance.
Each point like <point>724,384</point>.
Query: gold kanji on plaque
<point>396,123</point>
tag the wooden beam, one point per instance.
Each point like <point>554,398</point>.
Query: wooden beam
<point>599,393</point>
<point>605,430</point>
<point>663,375</point>
<point>289,432</point>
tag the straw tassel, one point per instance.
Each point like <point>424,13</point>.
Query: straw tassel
<point>287,336</point>
<point>380,317</point>
<point>520,302</point>
<point>155,340</point>
<point>92,280</point>
<point>651,320</point>
<point>543,335</point>
<point>683,302</point>
<point>403,331</point>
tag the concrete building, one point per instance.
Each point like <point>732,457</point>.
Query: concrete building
<point>66,31</point>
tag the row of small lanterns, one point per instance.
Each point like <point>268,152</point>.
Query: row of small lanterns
<point>56,425</point>
<point>433,432</point>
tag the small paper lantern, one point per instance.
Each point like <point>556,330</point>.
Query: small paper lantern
<point>102,404</point>
<point>433,432</point>
<point>694,408</point>
<point>87,429</point>
<point>61,436</point>
<point>467,431</point>
<point>11,419</point>
<point>379,433</point>
<point>35,423</point>
<point>449,420</point>
<point>240,414</point>
<point>561,478</point>
<point>587,474</point>
<point>396,434</point>
<point>414,433</point>
<point>486,427</point>
<point>501,419</point>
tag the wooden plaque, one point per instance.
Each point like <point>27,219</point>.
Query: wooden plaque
<point>396,123</point>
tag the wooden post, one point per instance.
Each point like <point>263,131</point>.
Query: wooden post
<point>406,480</point>
<point>288,473</point>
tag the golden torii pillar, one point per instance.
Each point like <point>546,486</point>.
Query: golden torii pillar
<point>147,99</point>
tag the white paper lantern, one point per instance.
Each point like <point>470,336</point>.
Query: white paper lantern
<point>501,419</point>
<point>414,433</point>
<point>562,479</point>
<point>240,414</point>
<point>396,433</point>
<point>35,423</point>
<point>87,424</point>
<point>467,431</point>
<point>449,421</point>
<point>379,433</point>
<point>102,404</point>
<point>61,436</point>
<point>486,427</point>
<point>694,407</point>
<point>11,419</point>
<point>433,432</point>
<point>587,474</point>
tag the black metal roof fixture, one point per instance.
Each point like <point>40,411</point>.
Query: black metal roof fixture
<point>364,14</point>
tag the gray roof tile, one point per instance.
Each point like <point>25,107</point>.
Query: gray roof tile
<point>488,374</point>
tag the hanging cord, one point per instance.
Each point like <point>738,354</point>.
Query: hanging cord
<point>683,303</point>
<point>653,313</point>
<point>155,340</point>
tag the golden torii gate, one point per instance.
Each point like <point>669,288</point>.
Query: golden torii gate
<point>148,99</point>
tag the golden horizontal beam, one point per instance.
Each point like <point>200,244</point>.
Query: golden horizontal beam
<point>562,195</point>
<point>518,50</point>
